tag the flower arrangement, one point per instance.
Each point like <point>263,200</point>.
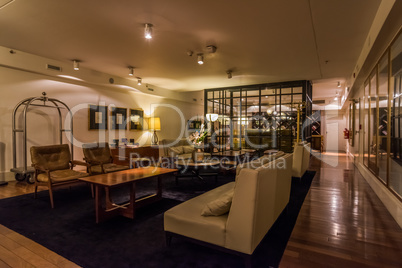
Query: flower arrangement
<point>198,137</point>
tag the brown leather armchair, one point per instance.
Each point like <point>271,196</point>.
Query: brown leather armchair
<point>54,167</point>
<point>99,158</point>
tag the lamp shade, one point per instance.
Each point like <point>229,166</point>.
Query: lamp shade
<point>154,123</point>
<point>211,117</point>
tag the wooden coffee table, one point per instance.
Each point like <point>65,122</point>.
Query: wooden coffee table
<point>120,178</point>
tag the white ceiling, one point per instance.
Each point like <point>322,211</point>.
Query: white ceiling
<point>261,41</point>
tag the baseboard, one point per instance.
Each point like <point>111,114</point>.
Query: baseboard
<point>390,201</point>
<point>7,176</point>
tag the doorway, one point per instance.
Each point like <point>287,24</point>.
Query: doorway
<point>332,132</point>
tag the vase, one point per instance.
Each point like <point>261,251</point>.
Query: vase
<point>198,155</point>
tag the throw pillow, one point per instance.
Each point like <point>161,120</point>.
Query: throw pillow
<point>188,149</point>
<point>174,151</point>
<point>219,206</point>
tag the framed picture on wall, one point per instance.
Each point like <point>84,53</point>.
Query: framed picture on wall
<point>190,124</point>
<point>119,117</point>
<point>97,117</point>
<point>136,119</point>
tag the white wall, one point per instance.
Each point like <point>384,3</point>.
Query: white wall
<point>334,117</point>
<point>42,127</point>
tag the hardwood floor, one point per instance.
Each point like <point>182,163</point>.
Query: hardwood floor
<point>342,224</point>
<point>18,251</point>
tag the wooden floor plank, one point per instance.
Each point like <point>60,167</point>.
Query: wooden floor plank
<point>12,259</point>
<point>41,251</point>
<point>342,223</point>
<point>4,265</point>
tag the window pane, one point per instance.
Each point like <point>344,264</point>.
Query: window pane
<point>255,92</point>
<point>383,118</point>
<point>395,176</point>
<point>373,126</point>
<point>297,90</point>
<point>286,90</point>
<point>366,125</point>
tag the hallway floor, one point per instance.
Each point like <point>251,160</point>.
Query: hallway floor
<point>342,222</point>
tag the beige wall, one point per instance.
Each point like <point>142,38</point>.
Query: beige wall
<point>333,117</point>
<point>42,126</point>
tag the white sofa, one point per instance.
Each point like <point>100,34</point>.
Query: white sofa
<point>181,148</point>
<point>258,197</point>
<point>301,159</point>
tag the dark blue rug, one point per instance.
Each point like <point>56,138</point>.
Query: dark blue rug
<point>70,229</point>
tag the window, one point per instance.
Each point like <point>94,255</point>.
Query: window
<point>259,116</point>
<point>382,141</point>
<point>395,177</point>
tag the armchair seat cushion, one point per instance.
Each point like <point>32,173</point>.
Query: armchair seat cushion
<point>110,167</point>
<point>185,156</point>
<point>61,175</point>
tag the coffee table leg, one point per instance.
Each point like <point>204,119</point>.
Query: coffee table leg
<point>197,174</point>
<point>159,190</point>
<point>129,211</point>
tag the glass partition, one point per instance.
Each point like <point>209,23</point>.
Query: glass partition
<point>395,176</point>
<point>259,116</point>
<point>366,124</point>
<point>382,118</point>
<point>373,130</point>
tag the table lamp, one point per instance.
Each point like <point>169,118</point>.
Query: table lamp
<point>154,123</point>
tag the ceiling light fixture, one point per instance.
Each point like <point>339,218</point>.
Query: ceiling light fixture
<point>148,30</point>
<point>200,59</point>
<point>229,73</point>
<point>339,84</point>
<point>211,49</point>
<point>139,81</point>
<point>131,71</point>
<point>76,65</point>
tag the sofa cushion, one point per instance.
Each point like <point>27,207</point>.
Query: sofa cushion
<point>259,162</point>
<point>185,218</point>
<point>168,143</point>
<point>174,151</point>
<point>185,156</point>
<point>188,149</point>
<point>219,206</point>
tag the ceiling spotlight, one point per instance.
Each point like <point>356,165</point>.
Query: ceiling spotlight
<point>139,81</point>
<point>229,73</point>
<point>200,59</point>
<point>211,49</point>
<point>148,30</point>
<point>339,84</point>
<point>131,71</point>
<point>76,65</point>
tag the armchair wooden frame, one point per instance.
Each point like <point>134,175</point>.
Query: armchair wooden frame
<point>46,170</point>
<point>49,183</point>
